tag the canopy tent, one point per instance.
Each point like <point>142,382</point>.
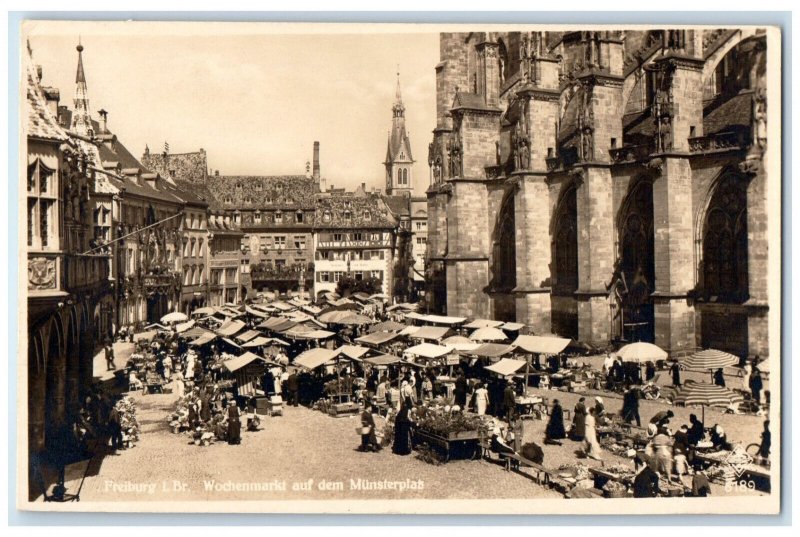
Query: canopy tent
<point>378,297</point>
<point>460,343</point>
<point>297,331</point>
<point>383,359</point>
<point>377,338</point>
<point>247,369</point>
<point>174,317</point>
<point>195,332</point>
<point>183,327</point>
<point>483,323</point>
<point>204,311</point>
<point>145,336</point>
<point>297,301</point>
<point>403,306</point>
<point>710,359</point>
<point>231,342</point>
<point>238,362</point>
<point>156,326</point>
<point>488,334</point>
<point>441,319</point>
<point>316,334</point>
<point>506,367</point>
<point>261,341</point>
<point>360,296</point>
<point>430,332</point>
<point>283,326</point>
<point>283,306</point>
<point>415,316</point>
<point>541,344</point>
<point>355,352</point>
<point>512,327</point>
<point>313,310</point>
<point>409,331</point>
<point>386,326</point>
<point>203,339</point>
<point>427,350</point>
<point>229,328</point>
<point>640,352</point>
<point>253,311</point>
<point>313,358</point>
<point>299,316</point>
<point>247,336</point>
<point>355,319</point>
<point>491,350</point>
<point>334,316</point>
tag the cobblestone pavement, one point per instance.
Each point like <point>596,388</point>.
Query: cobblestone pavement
<point>299,446</point>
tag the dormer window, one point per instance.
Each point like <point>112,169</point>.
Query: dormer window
<point>268,200</point>
<point>259,187</point>
<point>326,216</point>
<point>257,217</point>
<point>347,215</point>
<point>228,199</point>
<point>248,199</point>
<point>238,186</point>
<point>278,217</point>
<point>367,215</point>
<point>299,217</point>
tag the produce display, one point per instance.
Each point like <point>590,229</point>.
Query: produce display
<point>449,423</point>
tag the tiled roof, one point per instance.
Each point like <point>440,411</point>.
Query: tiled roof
<point>368,212</point>
<point>179,166</point>
<point>41,123</point>
<point>734,113</point>
<point>471,101</point>
<point>263,192</point>
<point>399,205</point>
<point>398,139</point>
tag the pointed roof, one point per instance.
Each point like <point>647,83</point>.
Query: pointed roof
<point>398,137</point>
<point>40,122</point>
<point>81,117</point>
<point>80,76</point>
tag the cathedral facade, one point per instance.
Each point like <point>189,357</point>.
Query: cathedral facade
<point>604,186</point>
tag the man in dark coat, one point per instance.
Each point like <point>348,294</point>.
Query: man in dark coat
<point>555,427</point>
<point>509,401</point>
<point>115,428</point>
<point>719,377</point>
<point>696,430</point>
<point>645,484</point>
<point>579,420</point>
<point>675,371</point>
<point>234,424</point>
<point>460,391</point>
<point>756,385</point>
<point>630,406</point>
<point>369,441</point>
<point>293,386</point>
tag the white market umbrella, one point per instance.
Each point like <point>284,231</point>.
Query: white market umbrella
<point>641,352</point>
<point>488,333</point>
<point>174,317</point>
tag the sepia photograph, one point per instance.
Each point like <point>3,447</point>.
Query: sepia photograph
<point>399,268</point>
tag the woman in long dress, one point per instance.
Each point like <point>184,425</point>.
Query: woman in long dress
<point>555,427</point>
<point>402,429</point>
<point>481,399</point>
<point>579,421</point>
<point>234,424</point>
<point>591,444</point>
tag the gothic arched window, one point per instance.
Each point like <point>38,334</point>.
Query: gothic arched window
<point>725,271</point>
<point>565,245</point>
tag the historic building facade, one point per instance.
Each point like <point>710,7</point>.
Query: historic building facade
<point>66,280</point>
<point>354,236</point>
<point>603,185</point>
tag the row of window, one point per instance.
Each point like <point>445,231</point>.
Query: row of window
<point>277,242</point>
<point>193,275</point>
<point>402,176</point>
<point>222,276</point>
<point>347,215</point>
<point>41,206</point>
<point>354,236</point>
<point>335,276</point>
<point>193,248</point>
<point>352,255</point>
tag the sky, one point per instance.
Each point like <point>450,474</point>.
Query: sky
<point>255,97</point>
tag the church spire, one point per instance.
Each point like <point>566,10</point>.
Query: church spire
<point>398,109</point>
<point>81,117</point>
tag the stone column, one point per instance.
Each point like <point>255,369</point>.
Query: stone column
<point>673,250</point>
<point>672,203</point>
<point>595,254</point>
<point>532,218</point>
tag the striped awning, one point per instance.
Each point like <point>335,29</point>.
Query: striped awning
<point>703,393</point>
<point>710,359</point>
